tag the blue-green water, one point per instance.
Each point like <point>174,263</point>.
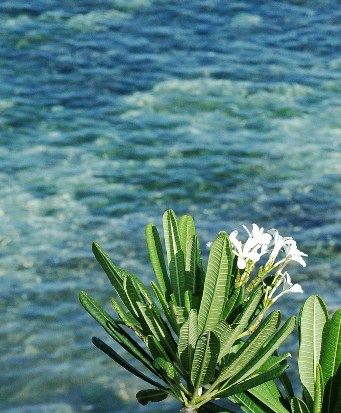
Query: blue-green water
<point>112,112</point>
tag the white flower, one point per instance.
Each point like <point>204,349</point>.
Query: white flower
<point>293,253</point>
<point>257,235</point>
<point>257,239</point>
<point>288,286</point>
<point>277,243</point>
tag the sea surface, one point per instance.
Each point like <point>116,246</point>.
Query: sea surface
<point>113,111</point>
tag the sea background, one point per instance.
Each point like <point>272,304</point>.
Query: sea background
<point>113,111</point>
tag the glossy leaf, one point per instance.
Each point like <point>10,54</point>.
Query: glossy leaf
<point>216,284</point>
<point>231,335</point>
<point>116,357</point>
<point>132,293</point>
<point>176,262</point>
<point>178,314</point>
<point>161,359</point>
<point>204,359</point>
<point>313,317</point>
<point>319,388</point>
<point>248,404</point>
<point>158,328</point>
<point>232,302</point>
<point>166,310</point>
<point>273,344</point>
<point>194,271</point>
<point>256,381</point>
<point>251,347</point>
<point>187,340</point>
<point>151,395</point>
<point>115,331</point>
<point>269,395</point>
<point>110,269</point>
<point>298,406</point>
<point>166,366</point>
<point>331,360</point>
<point>157,259</point>
<point>186,232</point>
<point>129,320</point>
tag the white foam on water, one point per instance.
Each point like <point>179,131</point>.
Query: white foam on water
<point>96,19</point>
<point>246,20</point>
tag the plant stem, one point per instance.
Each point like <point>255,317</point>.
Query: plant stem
<point>188,409</point>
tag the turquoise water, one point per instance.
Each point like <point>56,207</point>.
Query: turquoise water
<point>112,112</point>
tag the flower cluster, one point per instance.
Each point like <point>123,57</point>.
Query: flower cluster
<point>271,242</point>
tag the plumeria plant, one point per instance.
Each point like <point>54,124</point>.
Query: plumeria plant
<point>207,334</point>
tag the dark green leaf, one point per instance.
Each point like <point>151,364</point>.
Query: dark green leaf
<point>231,335</point>
<point>116,357</point>
<point>176,262</point>
<point>157,259</point>
<point>272,345</point>
<point>187,340</point>
<point>204,359</point>
<point>216,283</point>
<point>151,395</point>
<point>298,406</point>
<point>194,271</point>
<point>158,328</point>
<point>253,382</point>
<point>331,360</point>
<point>251,347</point>
<point>232,302</point>
<point>114,330</point>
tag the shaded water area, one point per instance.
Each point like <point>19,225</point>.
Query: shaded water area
<point>112,112</point>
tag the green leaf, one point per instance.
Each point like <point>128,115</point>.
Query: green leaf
<point>158,328</point>
<point>186,232</point>
<point>187,340</point>
<point>115,331</point>
<point>249,404</point>
<point>232,302</point>
<point>298,406</point>
<point>157,259</point>
<point>161,359</point>
<point>216,283</point>
<point>269,395</point>
<point>169,315</point>
<point>151,395</point>
<point>287,385</point>
<point>250,348</point>
<point>331,360</point>
<point>110,269</point>
<point>129,320</point>
<point>177,313</point>
<point>156,348</point>
<point>204,359</point>
<point>228,339</point>
<point>195,277</point>
<point>121,361</point>
<point>166,366</point>
<point>272,345</point>
<point>313,317</point>
<point>132,293</point>
<point>319,387</point>
<point>176,262</point>
<point>256,381</point>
